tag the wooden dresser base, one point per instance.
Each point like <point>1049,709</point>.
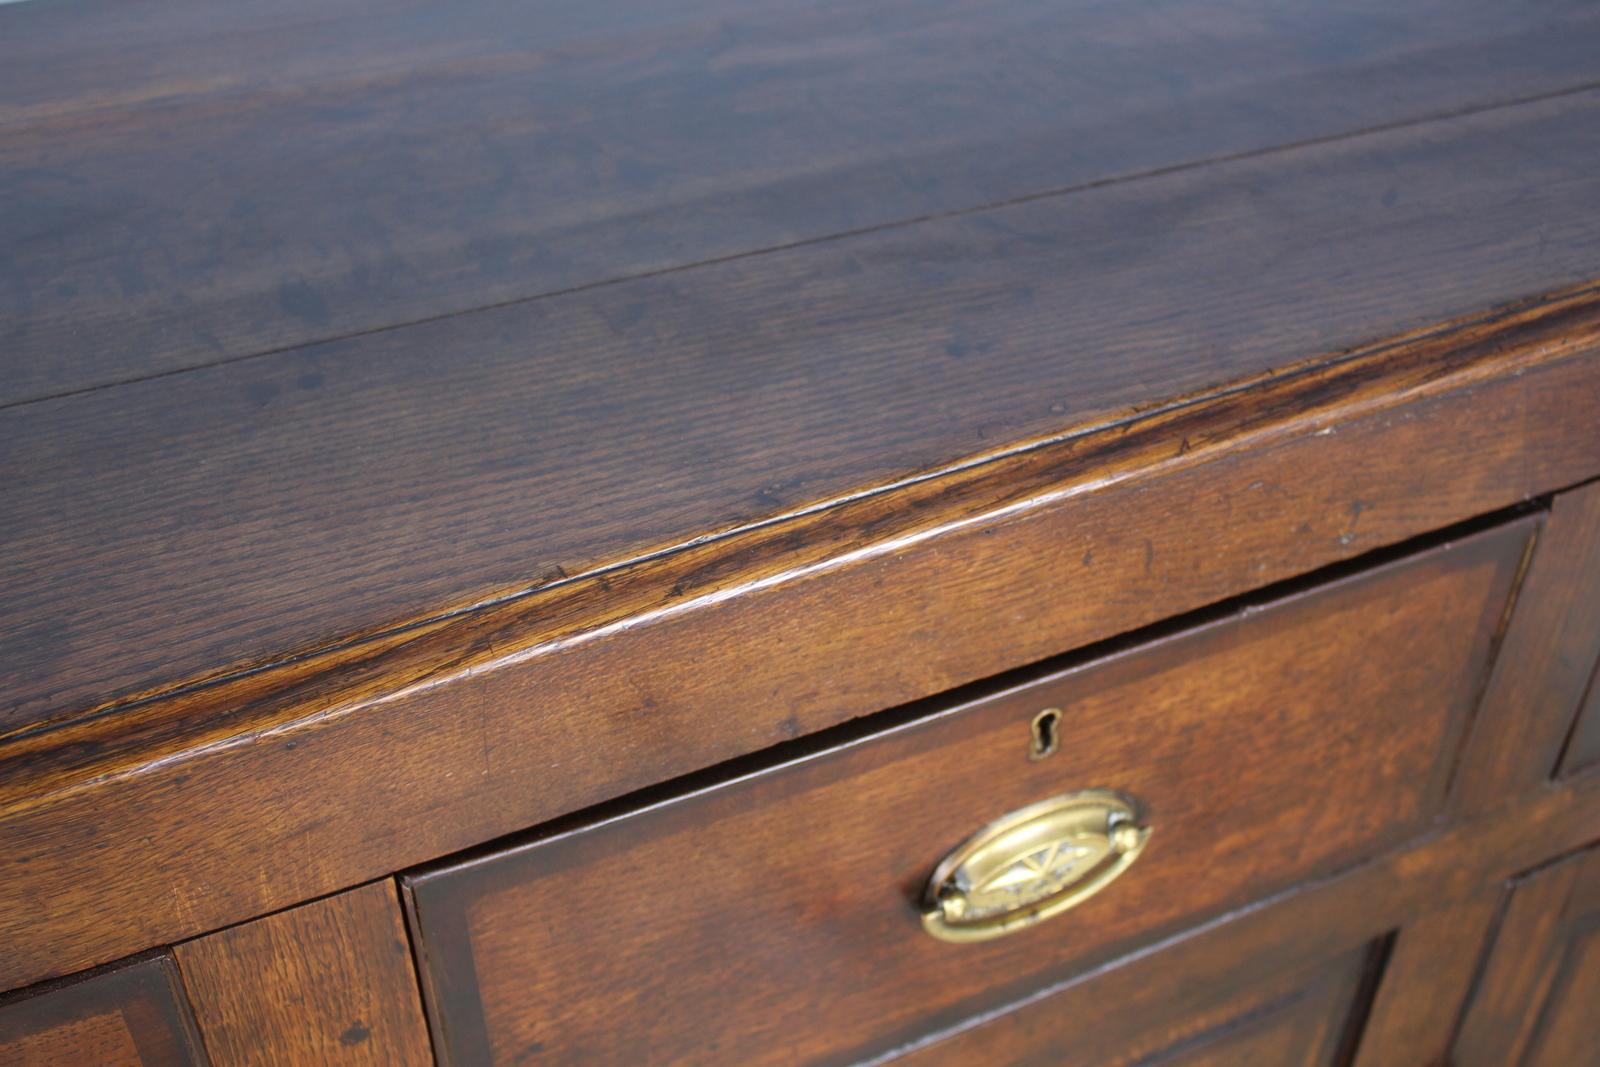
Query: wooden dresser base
<point>800,532</point>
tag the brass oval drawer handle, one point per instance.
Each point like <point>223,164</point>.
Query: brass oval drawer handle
<point>1036,862</point>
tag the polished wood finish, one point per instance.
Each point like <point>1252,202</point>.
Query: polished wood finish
<point>483,725</point>
<point>633,472</point>
<point>1300,1019</point>
<point>327,983</point>
<point>1426,979</point>
<point>191,527</point>
<point>1535,1004</point>
<point>1584,751</point>
<point>798,886</point>
<point>191,184</point>
<point>1583,631</point>
<point>1551,652</point>
<point>1244,949</point>
<point>1304,1033</point>
<point>131,1015</point>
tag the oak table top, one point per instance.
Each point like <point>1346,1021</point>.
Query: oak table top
<point>308,340</point>
<point>350,345</point>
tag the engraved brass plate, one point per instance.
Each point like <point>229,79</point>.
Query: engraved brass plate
<point>1036,862</point>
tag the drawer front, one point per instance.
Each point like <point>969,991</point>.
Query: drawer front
<point>778,917</point>
<point>130,1016</point>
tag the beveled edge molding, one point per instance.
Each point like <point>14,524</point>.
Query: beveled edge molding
<point>234,800</point>
<point>983,489</point>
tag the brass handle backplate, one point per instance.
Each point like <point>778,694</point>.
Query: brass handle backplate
<point>1036,862</point>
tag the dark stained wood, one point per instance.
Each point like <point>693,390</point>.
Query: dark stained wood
<point>1304,1033</point>
<point>1552,646</point>
<point>185,527</point>
<point>1584,751</point>
<point>1426,980</point>
<point>418,426</point>
<point>144,829</point>
<point>195,183</point>
<point>798,887</point>
<point>1299,1019</point>
<point>133,1015</point>
<point>1322,920</point>
<point>1535,1004</point>
<point>329,982</point>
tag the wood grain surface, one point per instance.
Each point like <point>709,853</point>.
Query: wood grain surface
<point>1298,1019</point>
<point>419,426</point>
<point>131,1015</point>
<point>1584,750</point>
<point>1313,922</point>
<point>1534,1005</point>
<point>189,183</point>
<point>670,935</point>
<point>145,828</point>
<point>1551,653</point>
<point>1426,980</point>
<point>327,983</point>
<point>1308,1030</point>
<point>191,526</point>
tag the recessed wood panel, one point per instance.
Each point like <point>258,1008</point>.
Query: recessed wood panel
<point>1302,1018</point>
<point>1535,1003</point>
<point>1184,987</point>
<point>1584,750</point>
<point>680,931</point>
<point>1552,649</point>
<point>327,983</point>
<point>131,1015</point>
<point>1426,978</point>
<point>1306,1031</point>
<point>1303,1033</point>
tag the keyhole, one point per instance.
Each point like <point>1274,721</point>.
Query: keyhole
<point>1045,733</point>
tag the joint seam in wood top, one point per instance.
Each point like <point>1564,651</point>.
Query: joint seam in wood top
<point>897,224</point>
